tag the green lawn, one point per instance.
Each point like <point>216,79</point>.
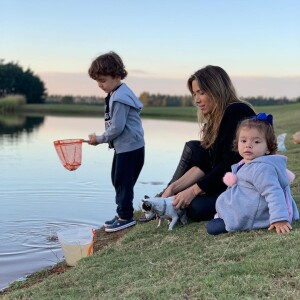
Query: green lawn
<point>151,263</point>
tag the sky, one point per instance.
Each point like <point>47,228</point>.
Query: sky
<point>162,42</point>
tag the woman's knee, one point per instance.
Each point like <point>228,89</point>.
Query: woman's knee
<point>202,208</point>
<point>199,156</point>
<point>200,213</point>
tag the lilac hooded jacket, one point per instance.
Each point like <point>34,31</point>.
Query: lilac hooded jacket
<point>260,197</point>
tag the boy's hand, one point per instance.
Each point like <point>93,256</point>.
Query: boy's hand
<point>93,140</point>
<point>281,227</point>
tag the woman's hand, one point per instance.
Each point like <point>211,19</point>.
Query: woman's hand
<point>168,191</point>
<point>281,227</point>
<point>184,198</point>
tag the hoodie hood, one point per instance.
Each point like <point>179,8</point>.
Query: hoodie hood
<point>124,95</point>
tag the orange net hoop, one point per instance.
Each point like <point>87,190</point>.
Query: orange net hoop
<point>69,153</point>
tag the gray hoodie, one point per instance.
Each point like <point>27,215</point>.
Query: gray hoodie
<point>260,197</point>
<point>125,130</point>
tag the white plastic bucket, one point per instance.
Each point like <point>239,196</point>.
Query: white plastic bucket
<point>76,243</point>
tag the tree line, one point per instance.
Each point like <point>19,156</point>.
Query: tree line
<point>184,101</point>
<point>14,80</point>
<point>160,100</point>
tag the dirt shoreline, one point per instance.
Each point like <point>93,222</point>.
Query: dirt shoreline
<point>102,240</point>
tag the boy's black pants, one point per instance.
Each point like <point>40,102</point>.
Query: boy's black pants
<point>126,168</point>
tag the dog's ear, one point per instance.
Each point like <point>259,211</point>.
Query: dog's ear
<point>146,205</point>
<point>146,197</point>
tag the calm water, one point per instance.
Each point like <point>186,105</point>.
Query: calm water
<point>38,196</point>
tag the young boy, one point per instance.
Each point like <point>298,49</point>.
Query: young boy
<point>123,132</point>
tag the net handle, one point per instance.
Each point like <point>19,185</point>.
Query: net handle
<point>79,141</point>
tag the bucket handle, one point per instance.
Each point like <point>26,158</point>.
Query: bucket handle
<point>92,244</point>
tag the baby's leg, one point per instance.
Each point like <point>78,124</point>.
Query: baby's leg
<point>216,226</point>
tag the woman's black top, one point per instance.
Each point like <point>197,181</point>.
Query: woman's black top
<point>221,154</point>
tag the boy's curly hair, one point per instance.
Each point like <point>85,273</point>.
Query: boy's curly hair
<point>108,64</point>
<point>262,126</point>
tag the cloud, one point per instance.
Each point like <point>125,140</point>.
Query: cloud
<point>139,72</point>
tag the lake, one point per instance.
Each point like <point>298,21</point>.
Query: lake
<point>40,197</point>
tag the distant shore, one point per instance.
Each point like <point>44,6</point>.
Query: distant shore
<point>178,113</point>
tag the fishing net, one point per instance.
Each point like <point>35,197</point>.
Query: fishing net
<point>69,153</point>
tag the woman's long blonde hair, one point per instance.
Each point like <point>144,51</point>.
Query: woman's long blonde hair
<point>214,82</point>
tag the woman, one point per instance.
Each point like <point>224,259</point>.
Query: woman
<point>197,181</point>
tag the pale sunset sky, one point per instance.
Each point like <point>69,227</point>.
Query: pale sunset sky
<point>162,42</point>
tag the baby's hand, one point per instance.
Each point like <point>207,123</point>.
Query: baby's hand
<point>281,227</point>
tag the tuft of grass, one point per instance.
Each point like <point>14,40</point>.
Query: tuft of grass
<point>11,103</point>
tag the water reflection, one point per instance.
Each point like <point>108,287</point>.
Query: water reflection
<point>39,196</point>
<point>15,125</point>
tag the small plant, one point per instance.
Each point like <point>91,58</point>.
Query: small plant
<point>11,103</point>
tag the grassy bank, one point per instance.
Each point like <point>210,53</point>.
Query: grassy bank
<point>187,113</point>
<point>151,263</point>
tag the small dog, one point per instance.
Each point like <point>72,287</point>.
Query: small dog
<point>164,209</point>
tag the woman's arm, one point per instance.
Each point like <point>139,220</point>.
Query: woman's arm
<point>184,198</point>
<point>185,188</point>
<point>187,180</point>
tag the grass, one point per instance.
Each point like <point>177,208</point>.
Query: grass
<point>152,263</point>
<point>11,104</point>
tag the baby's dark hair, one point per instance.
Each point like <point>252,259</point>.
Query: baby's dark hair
<point>263,127</point>
<point>108,64</point>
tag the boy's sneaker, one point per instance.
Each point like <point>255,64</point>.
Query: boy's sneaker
<point>110,222</point>
<point>120,225</point>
